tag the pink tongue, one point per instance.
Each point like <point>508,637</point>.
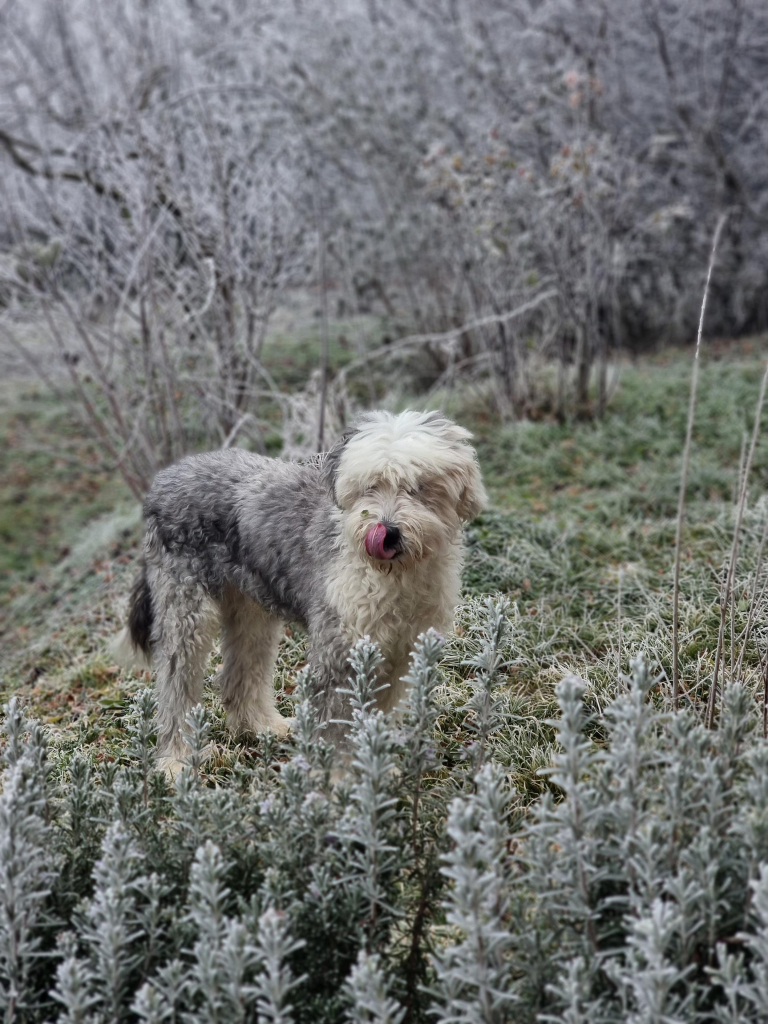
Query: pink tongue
<point>374,543</point>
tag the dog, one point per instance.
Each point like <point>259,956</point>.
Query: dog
<point>365,540</point>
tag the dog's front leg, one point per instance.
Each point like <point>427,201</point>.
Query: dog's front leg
<point>250,639</point>
<point>329,650</point>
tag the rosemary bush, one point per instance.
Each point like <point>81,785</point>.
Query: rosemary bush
<point>419,887</point>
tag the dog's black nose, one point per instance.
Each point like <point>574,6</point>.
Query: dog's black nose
<point>392,538</point>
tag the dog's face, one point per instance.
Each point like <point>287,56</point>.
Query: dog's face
<point>404,484</point>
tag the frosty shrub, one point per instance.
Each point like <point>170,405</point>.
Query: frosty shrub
<point>528,187</point>
<point>418,888</point>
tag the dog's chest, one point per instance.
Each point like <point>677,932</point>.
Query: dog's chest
<point>394,609</point>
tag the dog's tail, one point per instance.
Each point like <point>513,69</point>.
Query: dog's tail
<point>132,647</point>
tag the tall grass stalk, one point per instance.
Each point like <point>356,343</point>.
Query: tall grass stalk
<point>618,616</point>
<point>735,550</point>
<point>324,337</point>
<point>753,600</point>
<point>684,472</point>
<point>736,498</point>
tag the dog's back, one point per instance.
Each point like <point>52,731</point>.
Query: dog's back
<point>231,518</point>
<point>193,505</point>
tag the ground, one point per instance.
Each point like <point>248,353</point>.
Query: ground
<point>580,535</point>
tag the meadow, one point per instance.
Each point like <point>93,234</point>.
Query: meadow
<point>580,537</point>
<point>518,848</point>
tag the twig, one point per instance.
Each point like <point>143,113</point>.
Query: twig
<point>324,308</point>
<point>31,360</point>
<point>684,473</point>
<point>740,475</point>
<point>236,429</point>
<point>98,423</point>
<point>446,377</point>
<point>732,602</point>
<point>196,314</point>
<point>618,602</point>
<point>413,340</point>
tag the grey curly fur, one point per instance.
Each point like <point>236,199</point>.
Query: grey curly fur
<point>242,543</point>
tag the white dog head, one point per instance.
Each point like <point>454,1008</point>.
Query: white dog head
<point>404,485</point>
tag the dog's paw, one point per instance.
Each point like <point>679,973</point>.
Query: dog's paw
<point>340,775</point>
<point>281,726</point>
<point>274,723</point>
<point>170,766</point>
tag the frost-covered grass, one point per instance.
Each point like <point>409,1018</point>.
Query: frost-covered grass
<point>579,910</point>
<point>580,537</point>
<point>52,482</point>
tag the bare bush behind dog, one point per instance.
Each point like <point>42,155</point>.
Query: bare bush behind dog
<point>164,183</point>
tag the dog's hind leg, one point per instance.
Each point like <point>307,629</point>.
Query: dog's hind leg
<point>250,638</point>
<point>185,625</point>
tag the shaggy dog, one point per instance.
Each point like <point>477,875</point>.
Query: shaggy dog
<point>366,540</point>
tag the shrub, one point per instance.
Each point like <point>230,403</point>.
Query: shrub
<point>418,888</point>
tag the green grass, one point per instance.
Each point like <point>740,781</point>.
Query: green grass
<point>52,482</point>
<point>628,464</point>
<point>580,536</point>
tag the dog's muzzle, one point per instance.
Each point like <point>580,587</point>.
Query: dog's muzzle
<point>383,541</point>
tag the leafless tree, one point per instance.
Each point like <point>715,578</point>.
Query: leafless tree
<point>169,168</point>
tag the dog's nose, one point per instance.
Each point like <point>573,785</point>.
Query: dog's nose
<point>392,538</point>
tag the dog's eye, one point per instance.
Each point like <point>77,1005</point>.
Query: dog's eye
<point>365,513</point>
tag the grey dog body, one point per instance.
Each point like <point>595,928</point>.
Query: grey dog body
<point>232,518</point>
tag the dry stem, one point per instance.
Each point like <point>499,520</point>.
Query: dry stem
<point>684,473</point>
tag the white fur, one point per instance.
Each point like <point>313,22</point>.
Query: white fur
<point>250,638</point>
<point>424,478</point>
<point>392,608</point>
<point>126,654</point>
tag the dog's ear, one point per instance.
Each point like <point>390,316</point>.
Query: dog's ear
<point>332,459</point>
<point>472,497</point>
<point>467,482</point>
